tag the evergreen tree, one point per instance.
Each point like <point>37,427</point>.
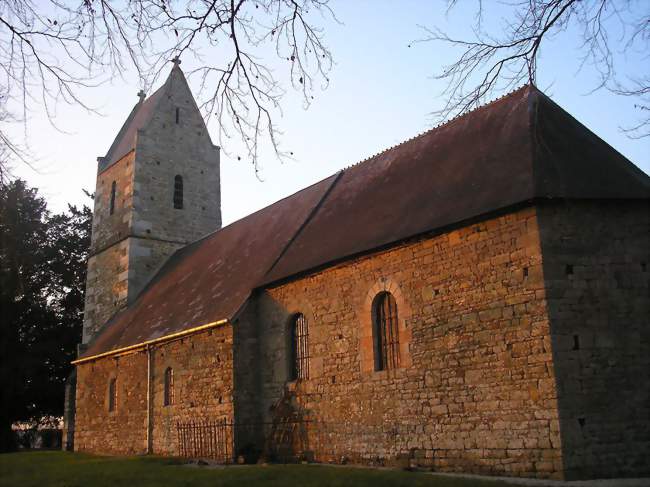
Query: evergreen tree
<point>42,278</point>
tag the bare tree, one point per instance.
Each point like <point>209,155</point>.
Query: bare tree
<point>492,62</point>
<point>51,50</point>
<point>9,150</point>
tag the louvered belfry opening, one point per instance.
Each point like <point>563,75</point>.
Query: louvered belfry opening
<point>299,347</point>
<point>386,332</point>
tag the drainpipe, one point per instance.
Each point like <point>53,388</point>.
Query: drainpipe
<point>149,402</point>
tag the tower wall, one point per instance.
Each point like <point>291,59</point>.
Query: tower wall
<point>108,264</point>
<point>106,287</point>
<point>131,244</point>
<point>164,150</point>
<point>109,229</point>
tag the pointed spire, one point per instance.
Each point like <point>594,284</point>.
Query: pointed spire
<point>142,95</point>
<point>176,61</point>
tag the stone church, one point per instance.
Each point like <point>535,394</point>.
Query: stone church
<point>475,299</point>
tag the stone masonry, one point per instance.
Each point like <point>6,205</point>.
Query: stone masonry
<point>203,387</point>
<point>595,260</point>
<point>490,358</point>
<point>476,392</point>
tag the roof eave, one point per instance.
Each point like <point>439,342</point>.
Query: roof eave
<point>148,343</point>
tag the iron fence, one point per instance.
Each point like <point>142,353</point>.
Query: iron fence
<point>206,439</point>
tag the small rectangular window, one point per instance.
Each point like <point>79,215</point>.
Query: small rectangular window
<point>112,395</point>
<point>168,398</point>
<point>178,192</point>
<point>178,115</point>
<point>111,208</point>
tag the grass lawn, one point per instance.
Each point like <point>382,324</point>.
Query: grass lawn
<point>62,469</point>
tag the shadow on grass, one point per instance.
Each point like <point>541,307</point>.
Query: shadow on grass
<point>64,469</point>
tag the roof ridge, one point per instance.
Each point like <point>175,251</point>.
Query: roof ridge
<point>441,125</point>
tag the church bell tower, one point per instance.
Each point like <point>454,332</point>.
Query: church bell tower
<point>158,189</point>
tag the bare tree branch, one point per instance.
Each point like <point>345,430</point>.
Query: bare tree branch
<point>489,63</point>
<point>51,50</point>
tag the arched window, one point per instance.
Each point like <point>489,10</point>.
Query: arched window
<point>299,343</point>
<point>385,332</point>
<point>111,208</point>
<point>178,192</point>
<point>169,387</point>
<point>112,394</point>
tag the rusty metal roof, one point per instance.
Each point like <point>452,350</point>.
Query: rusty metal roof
<point>514,150</point>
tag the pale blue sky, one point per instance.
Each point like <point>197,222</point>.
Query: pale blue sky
<point>381,93</point>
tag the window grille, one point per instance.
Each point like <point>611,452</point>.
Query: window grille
<point>112,202</point>
<point>386,332</point>
<point>178,192</point>
<point>169,387</point>
<point>299,347</point>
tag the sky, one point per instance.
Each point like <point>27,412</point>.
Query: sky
<point>381,93</point>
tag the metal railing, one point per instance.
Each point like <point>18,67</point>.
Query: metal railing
<point>206,439</point>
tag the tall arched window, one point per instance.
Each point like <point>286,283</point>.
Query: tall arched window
<point>169,387</point>
<point>111,207</point>
<point>385,332</point>
<point>112,394</point>
<point>178,192</point>
<point>299,347</point>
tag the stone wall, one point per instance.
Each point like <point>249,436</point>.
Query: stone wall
<point>107,228</point>
<point>69,407</point>
<point>203,384</point>
<point>106,287</point>
<point>117,274</point>
<point>476,390</point>
<point>146,256</point>
<point>203,389</point>
<point>523,343</point>
<point>122,431</point>
<point>596,258</point>
<point>107,278</point>
<point>165,149</point>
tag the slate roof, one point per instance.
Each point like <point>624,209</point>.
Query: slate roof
<point>517,149</point>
